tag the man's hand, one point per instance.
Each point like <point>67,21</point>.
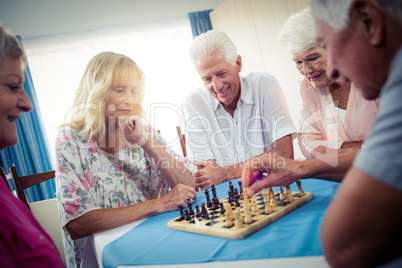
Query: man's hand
<point>209,173</point>
<point>280,171</point>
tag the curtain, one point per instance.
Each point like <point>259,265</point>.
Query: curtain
<point>31,154</point>
<point>200,22</point>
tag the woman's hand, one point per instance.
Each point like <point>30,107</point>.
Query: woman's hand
<point>133,128</point>
<point>177,197</point>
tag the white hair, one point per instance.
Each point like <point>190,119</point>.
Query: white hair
<point>336,13</point>
<point>212,43</point>
<point>298,32</point>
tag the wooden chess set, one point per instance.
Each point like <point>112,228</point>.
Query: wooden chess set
<point>236,216</point>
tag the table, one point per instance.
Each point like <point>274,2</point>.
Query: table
<point>292,241</point>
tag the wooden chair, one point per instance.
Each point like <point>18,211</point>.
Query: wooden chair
<point>182,140</point>
<point>23,182</point>
<point>45,211</point>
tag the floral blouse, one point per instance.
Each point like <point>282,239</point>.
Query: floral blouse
<point>88,178</point>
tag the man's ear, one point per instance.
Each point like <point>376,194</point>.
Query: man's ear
<point>239,63</point>
<point>371,15</point>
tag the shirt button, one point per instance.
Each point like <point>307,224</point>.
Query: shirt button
<point>41,237</point>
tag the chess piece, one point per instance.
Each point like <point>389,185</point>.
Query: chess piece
<point>197,211</point>
<point>247,212</point>
<point>222,209</point>
<point>204,212</point>
<point>230,197</point>
<point>215,200</point>
<point>273,201</point>
<point>265,194</point>
<point>181,212</point>
<point>300,192</point>
<point>187,216</point>
<point>190,207</point>
<point>290,197</point>
<point>255,207</point>
<point>281,194</point>
<point>236,201</point>
<point>238,218</point>
<point>288,191</point>
<point>231,186</point>
<point>229,211</point>
<point>245,194</point>
<point>240,187</point>
<point>268,208</point>
<point>229,221</point>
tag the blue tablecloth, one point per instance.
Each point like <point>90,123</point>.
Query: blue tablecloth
<point>296,234</point>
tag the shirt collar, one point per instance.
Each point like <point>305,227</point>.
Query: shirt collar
<point>246,95</point>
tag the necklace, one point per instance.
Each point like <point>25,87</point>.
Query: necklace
<point>340,94</point>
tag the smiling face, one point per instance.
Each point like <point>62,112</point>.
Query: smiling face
<point>221,79</point>
<point>312,64</point>
<point>352,55</point>
<point>13,100</point>
<point>124,95</point>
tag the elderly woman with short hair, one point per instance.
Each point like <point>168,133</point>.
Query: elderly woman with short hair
<point>335,118</point>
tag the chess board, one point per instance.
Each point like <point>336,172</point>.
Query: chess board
<point>216,224</point>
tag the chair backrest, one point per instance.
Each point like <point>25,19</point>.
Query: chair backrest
<point>23,182</point>
<point>44,211</point>
<point>182,140</point>
<point>48,217</point>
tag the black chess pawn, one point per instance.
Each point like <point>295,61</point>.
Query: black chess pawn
<point>236,201</point>
<point>181,212</point>
<point>230,197</point>
<point>215,200</point>
<point>209,203</point>
<point>197,211</point>
<point>222,209</point>
<point>190,207</point>
<point>187,216</point>
<point>204,212</point>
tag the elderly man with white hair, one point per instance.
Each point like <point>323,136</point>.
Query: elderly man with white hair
<point>232,118</point>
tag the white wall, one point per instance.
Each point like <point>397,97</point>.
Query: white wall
<point>46,17</point>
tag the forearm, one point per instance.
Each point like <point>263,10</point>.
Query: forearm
<point>233,171</point>
<point>100,220</point>
<point>172,170</point>
<point>364,240</point>
<point>332,167</point>
<point>352,144</point>
<point>283,147</point>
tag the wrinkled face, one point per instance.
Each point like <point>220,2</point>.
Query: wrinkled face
<point>220,78</point>
<point>13,100</point>
<point>312,64</point>
<point>123,96</point>
<point>351,56</point>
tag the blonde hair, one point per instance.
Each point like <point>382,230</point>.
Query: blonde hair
<point>88,117</point>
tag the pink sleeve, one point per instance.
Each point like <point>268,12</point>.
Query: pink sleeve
<point>312,132</point>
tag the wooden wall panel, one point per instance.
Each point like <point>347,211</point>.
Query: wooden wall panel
<point>235,18</point>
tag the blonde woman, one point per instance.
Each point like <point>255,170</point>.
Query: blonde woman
<point>112,168</point>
